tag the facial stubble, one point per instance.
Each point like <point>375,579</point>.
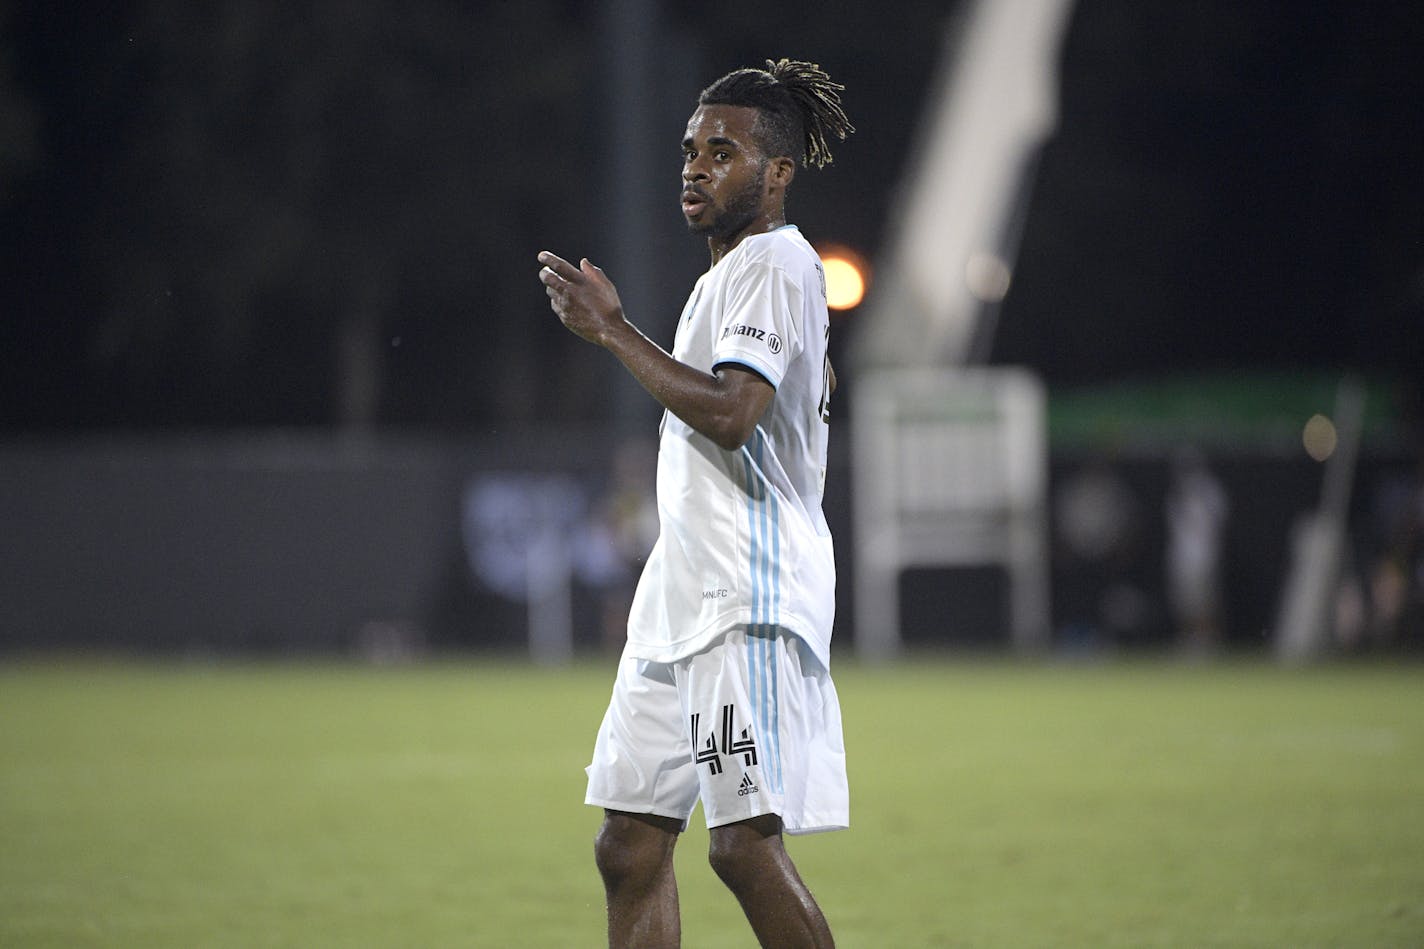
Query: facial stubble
<point>737,213</point>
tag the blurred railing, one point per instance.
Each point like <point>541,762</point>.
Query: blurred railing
<point>292,543</point>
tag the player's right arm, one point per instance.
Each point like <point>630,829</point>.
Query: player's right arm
<point>724,405</point>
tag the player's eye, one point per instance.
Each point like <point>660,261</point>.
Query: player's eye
<point>723,156</point>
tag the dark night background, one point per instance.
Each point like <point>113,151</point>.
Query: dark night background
<point>205,206</point>
<point>237,232</point>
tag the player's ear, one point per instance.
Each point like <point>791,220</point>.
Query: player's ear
<point>781,171</point>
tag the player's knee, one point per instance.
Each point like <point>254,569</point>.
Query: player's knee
<point>627,849</point>
<point>729,858</point>
<point>739,852</point>
<point>617,855</point>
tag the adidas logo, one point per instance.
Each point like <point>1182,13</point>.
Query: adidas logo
<point>747,787</point>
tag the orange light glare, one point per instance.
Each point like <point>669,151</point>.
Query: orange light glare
<point>846,277</point>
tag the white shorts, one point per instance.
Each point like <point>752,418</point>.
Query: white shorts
<point>751,726</point>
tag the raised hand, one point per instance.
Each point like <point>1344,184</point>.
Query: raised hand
<point>583,297</point>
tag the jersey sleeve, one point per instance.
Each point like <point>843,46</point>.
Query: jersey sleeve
<point>760,325</point>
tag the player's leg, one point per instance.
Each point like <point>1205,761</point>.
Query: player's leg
<point>767,741</point>
<point>751,860</point>
<point>634,856</point>
<point>642,775</point>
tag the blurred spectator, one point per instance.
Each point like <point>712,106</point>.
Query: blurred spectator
<point>624,522</point>
<point>1394,580</point>
<point>1196,511</point>
<point>1098,524</point>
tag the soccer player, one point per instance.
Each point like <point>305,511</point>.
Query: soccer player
<point>723,692</point>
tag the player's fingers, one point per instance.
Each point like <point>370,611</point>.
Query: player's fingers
<point>556,265</point>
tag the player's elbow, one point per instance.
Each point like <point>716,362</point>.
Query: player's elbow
<point>730,434</point>
<point>729,426</point>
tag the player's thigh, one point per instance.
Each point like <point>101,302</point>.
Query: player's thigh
<point>641,762</point>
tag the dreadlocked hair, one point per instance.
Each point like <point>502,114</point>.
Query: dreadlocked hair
<point>799,106</point>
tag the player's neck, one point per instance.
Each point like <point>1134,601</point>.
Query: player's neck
<point>719,247</point>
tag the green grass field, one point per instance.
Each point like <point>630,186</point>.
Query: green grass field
<point>994,805</point>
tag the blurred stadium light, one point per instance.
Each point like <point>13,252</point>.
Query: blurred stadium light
<point>962,207</point>
<point>847,276</point>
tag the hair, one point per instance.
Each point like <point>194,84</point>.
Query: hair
<point>799,106</point>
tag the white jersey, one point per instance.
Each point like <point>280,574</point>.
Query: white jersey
<point>743,539</point>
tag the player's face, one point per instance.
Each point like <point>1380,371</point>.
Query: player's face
<point>724,186</point>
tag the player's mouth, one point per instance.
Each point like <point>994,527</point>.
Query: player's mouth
<point>693,201</point>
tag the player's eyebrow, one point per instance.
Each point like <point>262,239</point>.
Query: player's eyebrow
<point>711,142</point>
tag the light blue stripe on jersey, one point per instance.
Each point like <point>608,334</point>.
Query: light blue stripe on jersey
<point>765,515</point>
<point>762,523</point>
<point>764,688</point>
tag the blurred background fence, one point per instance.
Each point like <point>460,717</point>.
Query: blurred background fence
<point>389,547</point>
